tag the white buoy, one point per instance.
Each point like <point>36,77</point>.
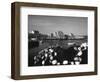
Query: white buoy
<point>34,62</point>
<point>84,45</point>
<point>79,48</point>
<point>51,50</point>
<point>72,63</point>
<point>79,53</point>
<point>34,57</point>
<point>65,62</point>
<point>43,62</point>
<point>76,58</point>
<point>42,57</point>
<point>77,62</point>
<point>51,57</point>
<point>80,59</point>
<point>75,48</point>
<point>46,54</point>
<point>58,63</point>
<point>54,62</point>
<point>55,54</point>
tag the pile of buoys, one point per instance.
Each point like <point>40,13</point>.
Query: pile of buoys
<point>57,56</point>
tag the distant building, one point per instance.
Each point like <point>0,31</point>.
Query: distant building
<point>35,32</point>
<point>61,35</point>
<point>56,35</point>
<point>71,36</point>
<point>66,36</point>
<point>81,37</point>
<point>36,35</point>
<point>52,35</point>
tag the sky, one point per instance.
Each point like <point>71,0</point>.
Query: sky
<point>52,24</point>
